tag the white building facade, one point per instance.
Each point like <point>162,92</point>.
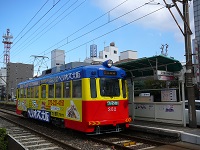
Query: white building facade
<point>3,74</point>
<point>57,58</point>
<point>129,54</point>
<point>109,52</point>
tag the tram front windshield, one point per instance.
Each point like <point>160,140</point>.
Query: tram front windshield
<point>109,87</point>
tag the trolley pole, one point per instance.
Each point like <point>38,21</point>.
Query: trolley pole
<point>189,68</point>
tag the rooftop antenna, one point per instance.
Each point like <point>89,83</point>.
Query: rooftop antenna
<point>162,49</point>
<point>166,49</point>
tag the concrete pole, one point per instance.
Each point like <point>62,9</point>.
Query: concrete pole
<point>189,68</point>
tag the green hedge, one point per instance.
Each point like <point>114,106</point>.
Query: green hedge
<point>3,139</point>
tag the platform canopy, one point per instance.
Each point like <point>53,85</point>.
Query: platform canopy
<point>145,67</point>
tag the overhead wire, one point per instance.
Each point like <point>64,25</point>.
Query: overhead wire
<point>41,26</point>
<point>37,22</point>
<point>43,33</point>
<point>36,37</point>
<point>102,25</point>
<point>27,24</point>
<point>87,25</point>
<point>110,31</point>
<point>31,20</point>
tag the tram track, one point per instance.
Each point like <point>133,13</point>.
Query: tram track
<point>69,139</point>
<point>107,141</point>
<point>121,141</point>
<point>66,139</point>
<point>25,134</point>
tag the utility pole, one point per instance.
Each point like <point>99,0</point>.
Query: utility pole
<point>189,68</point>
<point>189,75</point>
<point>40,62</point>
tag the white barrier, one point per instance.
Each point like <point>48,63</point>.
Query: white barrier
<point>167,112</point>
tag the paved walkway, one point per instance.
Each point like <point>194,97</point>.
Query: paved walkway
<point>186,134</point>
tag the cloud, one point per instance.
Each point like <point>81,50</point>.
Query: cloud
<point>161,20</point>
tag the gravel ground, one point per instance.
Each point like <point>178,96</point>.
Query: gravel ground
<point>74,138</point>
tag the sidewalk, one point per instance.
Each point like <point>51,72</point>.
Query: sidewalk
<point>186,134</point>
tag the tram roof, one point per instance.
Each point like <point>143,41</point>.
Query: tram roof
<point>146,66</point>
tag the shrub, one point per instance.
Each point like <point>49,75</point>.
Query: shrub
<point>3,139</point>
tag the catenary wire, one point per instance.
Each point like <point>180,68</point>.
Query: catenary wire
<point>110,31</point>
<point>36,37</point>
<point>31,20</point>
<point>27,25</point>
<point>36,22</point>
<point>102,25</point>
<point>40,31</point>
<point>87,25</point>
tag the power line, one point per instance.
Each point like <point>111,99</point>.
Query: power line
<point>111,30</point>
<point>88,24</point>
<point>41,26</point>
<point>102,24</point>
<point>37,22</point>
<point>31,20</point>
<point>36,37</point>
<point>28,23</point>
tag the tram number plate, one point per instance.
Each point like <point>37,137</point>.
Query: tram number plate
<point>112,103</point>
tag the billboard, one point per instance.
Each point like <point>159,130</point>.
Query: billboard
<point>163,75</point>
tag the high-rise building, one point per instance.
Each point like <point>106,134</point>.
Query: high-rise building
<point>196,41</point>
<point>196,5</point>
<point>17,72</point>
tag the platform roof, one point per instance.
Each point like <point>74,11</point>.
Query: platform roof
<point>146,66</point>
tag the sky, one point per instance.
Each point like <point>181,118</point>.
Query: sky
<point>40,26</point>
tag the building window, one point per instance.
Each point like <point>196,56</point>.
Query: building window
<point>105,56</point>
<point>115,52</point>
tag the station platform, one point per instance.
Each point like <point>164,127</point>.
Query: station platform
<point>185,134</point>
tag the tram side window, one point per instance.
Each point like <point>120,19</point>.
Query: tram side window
<point>124,88</point>
<point>93,89</point>
<point>77,89</point>
<point>24,93</point>
<point>32,92</point>
<point>66,89</point>
<point>18,93</point>
<point>58,90</point>
<point>28,92</point>
<point>51,91</point>
<point>21,93</point>
<point>36,92</point>
<point>43,91</point>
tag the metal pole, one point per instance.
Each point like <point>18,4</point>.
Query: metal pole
<point>189,69</point>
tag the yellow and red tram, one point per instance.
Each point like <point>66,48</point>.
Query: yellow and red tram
<point>89,99</point>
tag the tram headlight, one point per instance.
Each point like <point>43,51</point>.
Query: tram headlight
<point>108,63</point>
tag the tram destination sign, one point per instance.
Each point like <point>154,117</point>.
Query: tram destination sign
<point>109,73</point>
<point>112,103</point>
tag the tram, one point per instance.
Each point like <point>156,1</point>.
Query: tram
<point>90,99</point>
